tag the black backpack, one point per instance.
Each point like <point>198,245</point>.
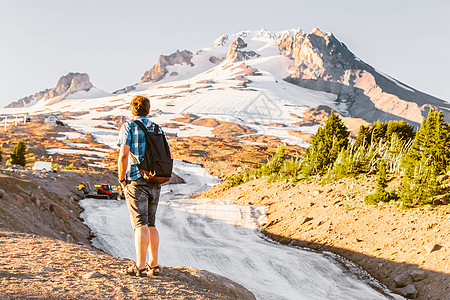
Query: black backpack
<point>157,164</point>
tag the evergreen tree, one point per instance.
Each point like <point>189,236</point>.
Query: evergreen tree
<point>380,195</point>
<point>402,129</point>
<point>18,154</point>
<point>378,132</point>
<point>326,145</point>
<point>428,158</point>
<point>363,136</point>
<point>381,176</point>
<point>431,147</point>
<point>384,132</point>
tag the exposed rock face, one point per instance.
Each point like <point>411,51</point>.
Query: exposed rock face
<point>125,90</point>
<point>323,63</point>
<point>236,54</point>
<point>68,84</point>
<point>158,71</point>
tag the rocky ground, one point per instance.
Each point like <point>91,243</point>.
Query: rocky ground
<point>406,249</point>
<point>38,267</point>
<point>46,251</point>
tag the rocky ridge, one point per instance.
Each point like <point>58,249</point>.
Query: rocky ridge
<point>67,84</point>
<point>158,71</point>
<point>321,62</point>
<point>235,52</point>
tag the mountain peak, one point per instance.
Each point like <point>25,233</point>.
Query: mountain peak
<point>67,84</point>
<point>158,71</point>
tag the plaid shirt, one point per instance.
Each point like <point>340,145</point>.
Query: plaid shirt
<point>130,134</point>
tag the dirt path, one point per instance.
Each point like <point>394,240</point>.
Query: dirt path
<point>385,240</point>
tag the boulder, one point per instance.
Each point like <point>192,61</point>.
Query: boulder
<point>408,291</point>
<point>418,275</point>
<point>59,211</point>
<point>69,239</point>
<point>20,200</point>
<point>214,59</point>
<point>402,280</point>
<point>432,247</point>
<point>2,193</point>
<point>34,198</point>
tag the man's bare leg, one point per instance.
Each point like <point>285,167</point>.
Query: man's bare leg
<point>141,240</point>
<point>154,244</point>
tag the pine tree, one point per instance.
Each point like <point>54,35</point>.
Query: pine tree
<point>378,132</point>
<point>18,154</point>
<point>381,176</point>
<point>363,137</point>
<point>428,158</point>
<point>432,142</point>
<point>384,132</point>
<point>326,145</point>
<point>402,129</point>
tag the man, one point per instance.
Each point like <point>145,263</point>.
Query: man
<point>141,196</point>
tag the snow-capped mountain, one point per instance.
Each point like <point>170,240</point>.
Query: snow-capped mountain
<point>72,85</point>
<point>260,80</point>
<point>316,61</point>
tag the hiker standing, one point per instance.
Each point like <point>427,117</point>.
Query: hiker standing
<point>141,195</point>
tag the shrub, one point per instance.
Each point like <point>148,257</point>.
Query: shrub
<point>325,146</point>
<point>278,167</point>
<point>364,158</point>
<point>18,155</point>
<point>380,195</point>
<point>69,167</point>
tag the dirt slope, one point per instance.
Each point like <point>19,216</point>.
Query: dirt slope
<point>385,240</point>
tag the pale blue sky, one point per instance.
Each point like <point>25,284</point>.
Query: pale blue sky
<point>115,42</point>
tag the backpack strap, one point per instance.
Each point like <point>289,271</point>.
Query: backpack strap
<point>139,123</point>
<point>147,140</point>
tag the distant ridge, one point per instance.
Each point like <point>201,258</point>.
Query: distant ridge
<point>67,84</point>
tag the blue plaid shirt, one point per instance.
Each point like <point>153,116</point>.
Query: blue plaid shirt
<point>132,135</point>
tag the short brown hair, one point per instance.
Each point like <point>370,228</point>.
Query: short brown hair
<point>140,106</point>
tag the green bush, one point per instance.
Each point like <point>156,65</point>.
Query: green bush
<point>380,196</point>
<point>18,155</point>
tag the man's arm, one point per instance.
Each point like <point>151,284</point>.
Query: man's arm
<point>122,162</point>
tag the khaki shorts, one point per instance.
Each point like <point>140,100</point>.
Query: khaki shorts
<point>142,200</point>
